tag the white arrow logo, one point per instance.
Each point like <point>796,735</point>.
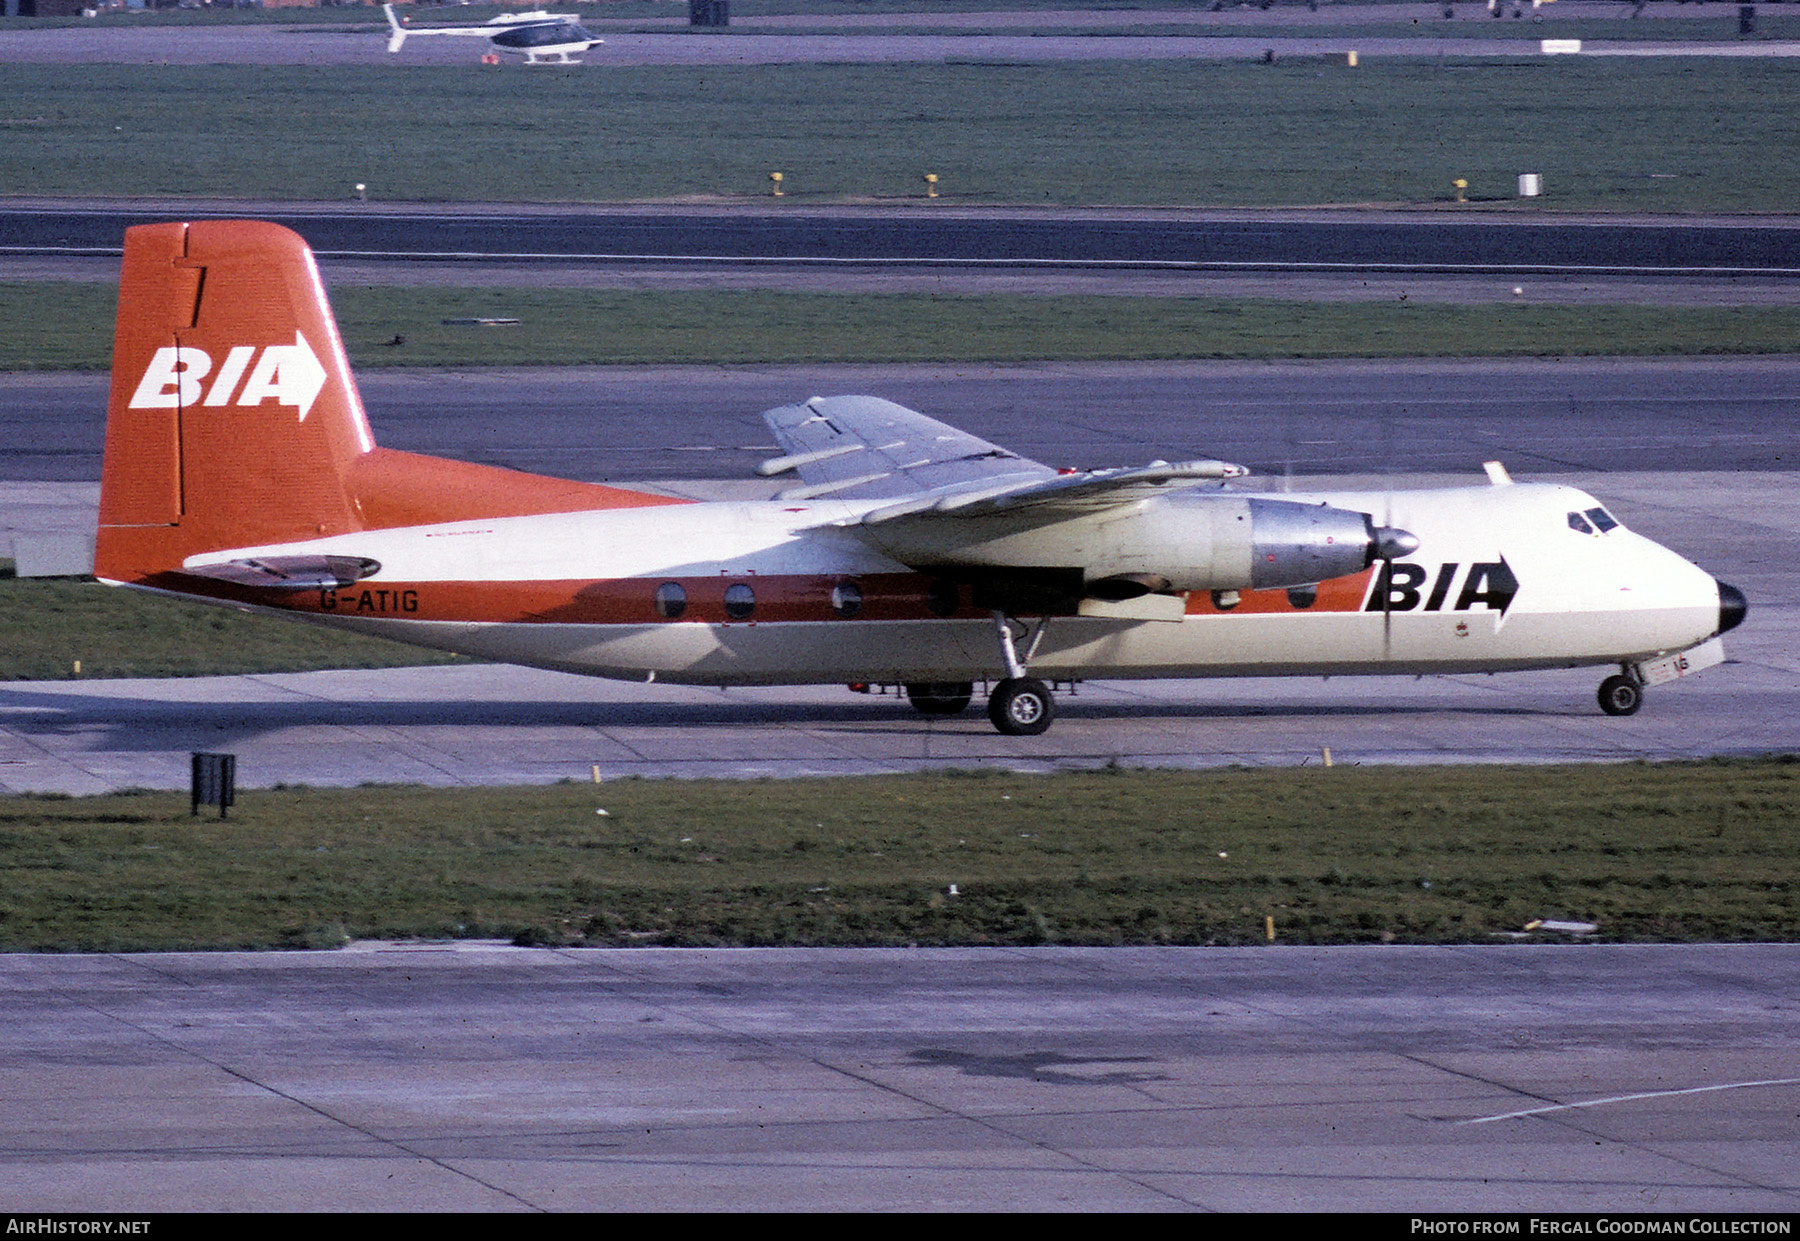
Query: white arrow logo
<point>287,374</point>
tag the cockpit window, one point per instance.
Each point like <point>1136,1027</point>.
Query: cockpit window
<point>1602,519</point>
<point>1579,524</point>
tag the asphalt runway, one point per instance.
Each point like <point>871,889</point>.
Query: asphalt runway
<point>964,280</point>
<point>113,43</point>
<point>1490,240</point>
<point>474,1077</point>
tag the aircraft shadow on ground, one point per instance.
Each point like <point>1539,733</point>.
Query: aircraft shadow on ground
<point>144,724</point>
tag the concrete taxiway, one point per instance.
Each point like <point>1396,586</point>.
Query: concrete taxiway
<point>479,1077</point>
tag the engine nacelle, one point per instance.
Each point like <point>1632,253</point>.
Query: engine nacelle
<point>1181,542</point>
<point>1299,544</point>
<point>1225,542</point>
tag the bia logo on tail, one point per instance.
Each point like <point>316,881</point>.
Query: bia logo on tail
<point>177,377</point>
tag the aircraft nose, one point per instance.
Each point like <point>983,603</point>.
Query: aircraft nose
<point>1732,606</point>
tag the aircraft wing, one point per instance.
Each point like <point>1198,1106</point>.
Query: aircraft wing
<point>1058,497</point>
<point>942,482</point>
<point>862,448</point>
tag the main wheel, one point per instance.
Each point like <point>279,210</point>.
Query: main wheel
<point>1021,706</point>
<point>1621,695</point>
<point>940,697</point>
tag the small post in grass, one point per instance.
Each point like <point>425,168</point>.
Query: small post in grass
<point>215,781</point>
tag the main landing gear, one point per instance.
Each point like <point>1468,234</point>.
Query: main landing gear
<point>1020,705</point>
<point>1621,695</point>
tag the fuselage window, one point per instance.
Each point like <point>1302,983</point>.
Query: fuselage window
<point>1579,524</point>
<point>1602,519</point>
<point>740,601</point>
<point>846,599</point>
<point>671,600</point>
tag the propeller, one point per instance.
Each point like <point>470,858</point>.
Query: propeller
<point>1387,545</point>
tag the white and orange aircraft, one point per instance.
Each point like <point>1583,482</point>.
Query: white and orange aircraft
<point>240,469</point>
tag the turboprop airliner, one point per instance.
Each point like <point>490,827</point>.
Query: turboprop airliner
<point>240,469</point>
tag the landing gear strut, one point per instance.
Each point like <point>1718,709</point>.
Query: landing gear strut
<point>1621,695</point>
<point>1020,705</point>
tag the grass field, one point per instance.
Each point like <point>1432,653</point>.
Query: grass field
<point>1627,135</point>
<point>65,326</point>
<point>47,625</point>
<point>1662,852</point>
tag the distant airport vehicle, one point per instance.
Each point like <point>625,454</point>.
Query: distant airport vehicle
<point>535,35</point>
<point>240,469</point>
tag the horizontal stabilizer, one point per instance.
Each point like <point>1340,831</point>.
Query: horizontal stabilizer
<point>289,572</point>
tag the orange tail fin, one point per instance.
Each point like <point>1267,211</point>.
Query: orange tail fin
<point>234,420</point>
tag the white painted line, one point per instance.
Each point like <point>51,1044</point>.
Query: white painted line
<point>1628,1098</point>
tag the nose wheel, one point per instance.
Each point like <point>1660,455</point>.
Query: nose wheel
<point>1621,695</point>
